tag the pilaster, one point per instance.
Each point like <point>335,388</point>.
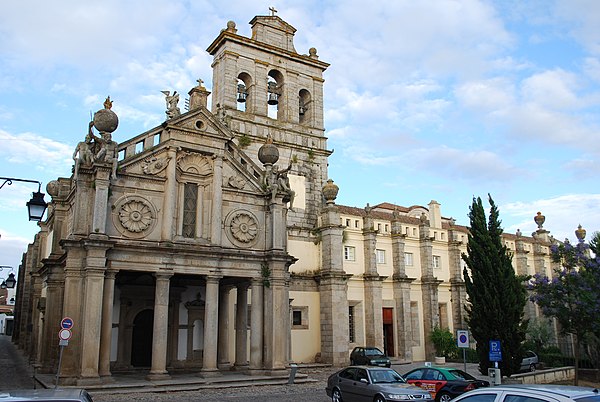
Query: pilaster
<point>161,323</point>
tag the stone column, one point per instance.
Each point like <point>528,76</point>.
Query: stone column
<point>159,332</point>
<point>52,318</point>
<point>168,218</point>
<point>217,204</point>
<point>256,325</point>
<point>211,328</point>
<point>241,327</point>
<point>522,269</point>
<point>458,289</point>
<point>401,287</point>
<point>333,290</point>
<point>92,309</point>
<point>429,286</point>
<point>276,316</point>
<point>372,283</point>
<point>223,340</point>
<point>106,331</point>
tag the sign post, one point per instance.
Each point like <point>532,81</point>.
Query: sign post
<point>66,324</point>
<point>462,340</point>
<point>495,355</point>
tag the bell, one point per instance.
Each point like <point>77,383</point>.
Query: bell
<point>242,93</point>
<point>302,110</point>
<point>272,100</point>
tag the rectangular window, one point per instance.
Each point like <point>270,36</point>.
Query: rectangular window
<point>139,147</point>
<point>408,259</point>
<point>190,203</point>
<point>437,261</point>
<point>347,222</point>
<point>356,225</point>
<point>379,227</point>
<point>386,228</point>
<point>299,317</point>
<point>380,256</point>
<point>349,253</point>
<point>156,139</point>
<point>351,323</point>
<point>121,155</point>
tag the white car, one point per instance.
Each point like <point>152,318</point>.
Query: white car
<point>530,361</point>
<point>531,393</point>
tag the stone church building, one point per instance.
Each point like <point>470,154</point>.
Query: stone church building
<point>213,241</point>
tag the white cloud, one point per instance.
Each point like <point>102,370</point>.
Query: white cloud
<point>563,214</point>
<point>555,89</point>
<point>29,149</point>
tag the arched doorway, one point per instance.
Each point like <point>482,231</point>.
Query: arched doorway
<point>141,339</point>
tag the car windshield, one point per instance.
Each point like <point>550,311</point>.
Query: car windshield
<point>386,376</point>
<point>462,375</point>
<point>373,352</point>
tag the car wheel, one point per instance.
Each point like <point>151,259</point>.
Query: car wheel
<point>532,367</point>
<point>379,398</point>
<point>336,396</point>
<point>443,397</point>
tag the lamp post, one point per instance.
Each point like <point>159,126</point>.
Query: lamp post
<point>9,282</point>
<point>36,205</point>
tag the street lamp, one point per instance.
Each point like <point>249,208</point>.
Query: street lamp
<point>36,205</point>
<point>9,282</point>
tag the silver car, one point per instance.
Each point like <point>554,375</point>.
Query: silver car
<point>46,395</point>
<point>530,361</point>
<point>372,384</point>
<point>531,393</point>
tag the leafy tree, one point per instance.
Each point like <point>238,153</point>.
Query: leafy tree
<point>497,296</point>
<point>539,334</point>
<point>572,295</point>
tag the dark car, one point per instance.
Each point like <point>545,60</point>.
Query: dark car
<point>372,384</point>
<point>46,395</point>
<point>444,383</point>
<point>369,356</point>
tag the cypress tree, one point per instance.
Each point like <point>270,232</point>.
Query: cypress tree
<point>496,295</point>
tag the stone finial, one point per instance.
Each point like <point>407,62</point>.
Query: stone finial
<point>268,154</point>
<point>519,233</point>
<point>231,27</point>
<point>105,120</point>
<point>330,192</point>
<point>539,219</point>
<point>312,53</point>
<point>580,234</point>
<point>368,209</point>
<point>108,103</point>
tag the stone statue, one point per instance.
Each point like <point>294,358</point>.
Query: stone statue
<point>277,181</point>
<point>172,101</point>
<point>84,152</point>
<point>107,151</point>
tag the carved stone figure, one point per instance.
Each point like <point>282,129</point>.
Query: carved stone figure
<point>277,181</point>
<point>84,152</point>
<point>107,151</point>
<point>172,101</point>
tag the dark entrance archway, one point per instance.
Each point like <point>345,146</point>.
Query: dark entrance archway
<point>141,339</point>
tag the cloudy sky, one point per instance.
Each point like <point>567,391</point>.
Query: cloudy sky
<point>424,100</point>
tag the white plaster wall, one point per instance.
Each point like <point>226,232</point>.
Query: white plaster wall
<point>306,343</point>
<point>308,254</point>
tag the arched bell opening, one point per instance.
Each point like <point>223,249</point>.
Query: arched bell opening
<point>275,94</point>
<point>243,98</point>
<point>304,107</point>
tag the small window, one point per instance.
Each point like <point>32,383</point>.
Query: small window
<point>139,147</point>
<point>408,259</point>
<point>299,317</point>
<point>442,235</point>
<point>356,225</point>
<point>380,256</point>
<point>351,323</point>
<point>121,155</point>
<point>414,231</point>
<point>156,139</point>
<point>437,261</point>
<point>386,228</point>
<point>347,223</point>
<point>349,253</point>
<point>379,227</point>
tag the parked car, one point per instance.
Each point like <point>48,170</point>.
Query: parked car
<point>372,384</point>
<point>46,395</point>
<point>531,392</point>
<point>444,383</point>
<point>530,361</point>
<point>369,356</point>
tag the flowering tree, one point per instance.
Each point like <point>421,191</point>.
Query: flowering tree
<point>572,295</point>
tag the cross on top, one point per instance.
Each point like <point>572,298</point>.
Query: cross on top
<point>200,82</point>
<point>273,11</point>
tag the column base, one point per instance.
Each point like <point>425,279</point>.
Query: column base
<point>210,373</point>
<point>158,376</point>
<point>85,381</point>
<point>107,379</point>
<point>241,367</point>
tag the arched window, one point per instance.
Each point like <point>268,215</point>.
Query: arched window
<point>274,94</point>
<point>242,92</point>
<point>304,107</point>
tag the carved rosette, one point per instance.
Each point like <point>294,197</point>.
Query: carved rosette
<point>242,228</point>
<point>134,216</point>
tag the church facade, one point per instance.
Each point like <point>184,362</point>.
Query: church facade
<point>213,241</point>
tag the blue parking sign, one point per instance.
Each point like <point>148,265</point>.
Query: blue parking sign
<point>495,351</point>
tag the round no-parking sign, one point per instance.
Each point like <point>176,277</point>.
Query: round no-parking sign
<point>64,334</point>
<point>462,338</point>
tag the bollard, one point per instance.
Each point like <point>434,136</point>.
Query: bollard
<point>293,369</point>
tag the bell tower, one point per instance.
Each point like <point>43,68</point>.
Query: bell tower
<point>262,87</point>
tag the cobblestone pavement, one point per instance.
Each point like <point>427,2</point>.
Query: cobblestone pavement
<point>14,370</point>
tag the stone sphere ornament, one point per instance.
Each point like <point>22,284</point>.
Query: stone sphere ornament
<point>268,154</point>
<point>105,120</point>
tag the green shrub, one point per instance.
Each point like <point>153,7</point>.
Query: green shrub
<point>443,341</point>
